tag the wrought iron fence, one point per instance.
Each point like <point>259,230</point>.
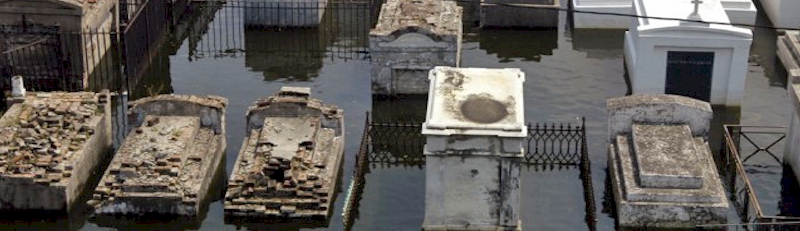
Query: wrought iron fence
<point>752,146</point>
<point>60,61</point>
<point>391,144</point>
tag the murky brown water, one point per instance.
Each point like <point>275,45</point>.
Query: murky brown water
<point>570,74</point>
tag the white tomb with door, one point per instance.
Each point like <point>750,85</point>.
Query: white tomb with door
<point>694,59</point>
<point>738,11</point>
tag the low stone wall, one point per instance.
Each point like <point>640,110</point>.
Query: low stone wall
<point>168,161</point>
<point>50,143</point>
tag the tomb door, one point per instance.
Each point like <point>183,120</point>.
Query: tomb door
<point>689,74</point>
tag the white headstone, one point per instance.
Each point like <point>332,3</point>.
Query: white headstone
<point>17,86</point>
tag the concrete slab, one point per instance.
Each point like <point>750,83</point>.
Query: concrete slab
<point>665,159</point>
<point>167,162</point>
<point>50,143</point>
<point>289,163</point>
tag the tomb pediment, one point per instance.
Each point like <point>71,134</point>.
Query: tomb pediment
<point>699,32</point>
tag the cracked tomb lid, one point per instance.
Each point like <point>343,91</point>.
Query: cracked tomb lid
<point>475,101</point>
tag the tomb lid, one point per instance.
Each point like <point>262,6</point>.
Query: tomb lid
<point>475,101</point>
<point>667,157</point>
<point>433,16</point>
<point>708,11</point>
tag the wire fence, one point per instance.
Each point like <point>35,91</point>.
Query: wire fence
<point>748,149</point>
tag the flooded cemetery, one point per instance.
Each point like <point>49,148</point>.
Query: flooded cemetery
<point>396,115</point>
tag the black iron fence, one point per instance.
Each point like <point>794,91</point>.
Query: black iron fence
<point>393,144</point>
<point>748,150</point>
<point>60,61</point>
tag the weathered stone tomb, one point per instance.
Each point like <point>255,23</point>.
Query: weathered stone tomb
<point>168,160</point>
<point>662,172</point>
<point>50,143</point>
<point>290,160</point>
<point>411,37</point>
<point>474,132</point>
<point>789,54</point>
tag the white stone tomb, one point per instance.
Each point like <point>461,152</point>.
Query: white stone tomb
<point>738,11</point>
<point>699,60</point>
<point>475,130</point>
<point>782,13</point>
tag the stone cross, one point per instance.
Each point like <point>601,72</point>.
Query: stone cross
<point>695,15</point>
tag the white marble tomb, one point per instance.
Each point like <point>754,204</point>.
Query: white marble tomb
<point>699,60</point>
<point>738,11</point>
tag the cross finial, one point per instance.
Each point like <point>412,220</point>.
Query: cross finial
<point>696,5</point>
<point>696,14</point>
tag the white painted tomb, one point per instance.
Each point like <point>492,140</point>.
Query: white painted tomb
<point>738,11</point>
<point>699,60</point>
<point>284,13</point>
<point>782,13</point>
<point>474,131</point>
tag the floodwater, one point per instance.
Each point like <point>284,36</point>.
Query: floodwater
<point>569,74</point>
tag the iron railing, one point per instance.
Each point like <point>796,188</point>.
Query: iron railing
<point>61,61</point>
<point>391,144</point>
<point>752,146</point>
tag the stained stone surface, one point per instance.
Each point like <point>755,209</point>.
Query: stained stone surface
<point>167,162</point>
<point>676,168</point>
<point>410,38</point>
<point>475,101</point>
<point>49,144</point>
<point>662,171</point>
<point>289,162</point>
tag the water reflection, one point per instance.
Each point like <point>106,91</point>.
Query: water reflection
<point>156,78</point>
<point>513,45</point>
<point>789,204</point>
<point>400,108</point>
<point>193,24</point>
<point>598,43</point>
<point>291,54</point>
